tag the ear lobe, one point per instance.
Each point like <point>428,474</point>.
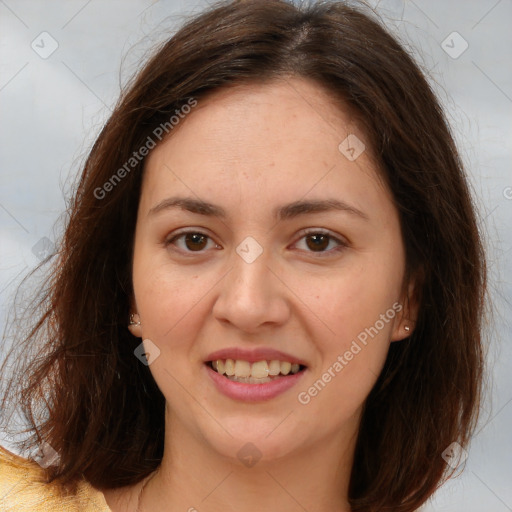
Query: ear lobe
<point>405,321</point>
<point>135,326</point>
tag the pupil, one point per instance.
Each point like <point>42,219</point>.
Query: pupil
<point>195,238</point>
<point>317,245</point>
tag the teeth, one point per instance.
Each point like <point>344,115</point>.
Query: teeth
<point>229,367</point>
<point>242,369</point>
<point>274,368</point>
<point>286,367</point>
<point>258,372</point>
<point>250,380</point>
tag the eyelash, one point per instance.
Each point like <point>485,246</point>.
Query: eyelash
<point>341,244</point>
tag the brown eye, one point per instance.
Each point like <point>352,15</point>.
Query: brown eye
<point>191,241</point>
<point>318,242</point>
<point>195,241</point>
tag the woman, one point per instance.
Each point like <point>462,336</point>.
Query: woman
<point>270,290</point>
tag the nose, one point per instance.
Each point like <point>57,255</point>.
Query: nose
<point>252,296</point>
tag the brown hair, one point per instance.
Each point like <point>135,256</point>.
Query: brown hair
<point>104,414</point>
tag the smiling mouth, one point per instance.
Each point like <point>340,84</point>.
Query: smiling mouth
<point>258,372</point>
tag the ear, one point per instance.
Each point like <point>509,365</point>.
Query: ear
<point>405,321</point>
<point>134,325</point>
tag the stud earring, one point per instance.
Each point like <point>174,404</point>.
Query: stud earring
<point>407,328</point>
<point>132,321</point>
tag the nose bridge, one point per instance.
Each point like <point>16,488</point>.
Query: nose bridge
<point>251,276</point>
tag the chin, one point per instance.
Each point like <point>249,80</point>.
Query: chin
<point>263,440</point>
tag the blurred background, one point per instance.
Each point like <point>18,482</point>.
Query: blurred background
<point>61,68</point>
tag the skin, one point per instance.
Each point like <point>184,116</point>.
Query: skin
<point>250,149</point>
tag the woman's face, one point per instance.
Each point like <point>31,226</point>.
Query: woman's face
<point>264,275</point>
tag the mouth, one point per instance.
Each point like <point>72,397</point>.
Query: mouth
<point>258,372</point>
<point>253,381</point>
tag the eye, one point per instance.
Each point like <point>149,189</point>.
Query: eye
<point>193,241</point>
<point>318,240</point>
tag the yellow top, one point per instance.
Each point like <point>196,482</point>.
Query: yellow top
<point>23,489</point>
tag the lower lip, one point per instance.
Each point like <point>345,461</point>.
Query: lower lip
<point>253,392</point>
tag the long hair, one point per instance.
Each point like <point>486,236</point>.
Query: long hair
<point>102,411</point>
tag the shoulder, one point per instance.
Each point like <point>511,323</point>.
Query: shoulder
<point>23,488</point>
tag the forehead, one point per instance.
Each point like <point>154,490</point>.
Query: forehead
<point>251,118</point>
<point>273,140</point>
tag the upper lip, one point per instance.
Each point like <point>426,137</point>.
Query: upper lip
<point>254,355</point>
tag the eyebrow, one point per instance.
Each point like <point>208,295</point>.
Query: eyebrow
<point>285,212</point>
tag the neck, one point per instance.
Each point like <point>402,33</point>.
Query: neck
<point>193,477</point>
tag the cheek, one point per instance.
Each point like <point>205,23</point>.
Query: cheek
<point>358,310</point>
<point>168,297</point>
<point>354,298</point>
<point>169,305</point>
